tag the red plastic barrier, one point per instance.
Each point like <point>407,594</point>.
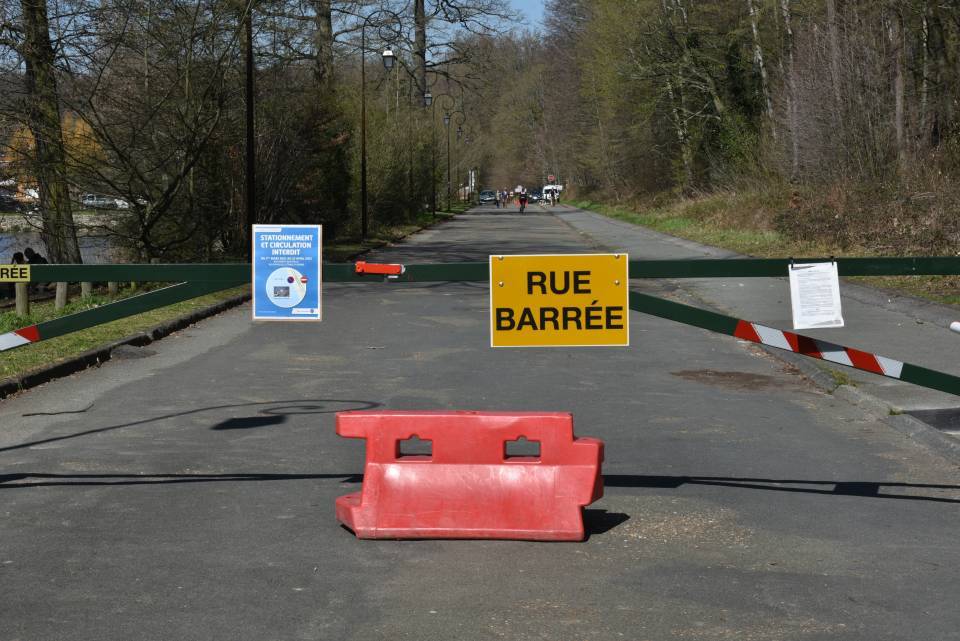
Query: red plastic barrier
<point>468,488</point>
<point>387,269</point>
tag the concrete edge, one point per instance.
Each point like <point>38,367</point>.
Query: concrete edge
<point>819,374</point>
<point>99,355</point>
<point>915,429</point>
<point>909,426</point>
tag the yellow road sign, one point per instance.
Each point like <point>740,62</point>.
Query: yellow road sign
<point>14,273</point>
<point>576,300</point>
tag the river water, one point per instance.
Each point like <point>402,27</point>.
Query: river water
<point>93,249</point>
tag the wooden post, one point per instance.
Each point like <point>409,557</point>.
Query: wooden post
<point>21,292</point>
<point>60,301</point>
<point>113,287</point>
<point>86,289</point>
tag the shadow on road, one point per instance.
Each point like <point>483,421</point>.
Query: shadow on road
<point>249,422</point>
<point>601,521</point>
<point>13,481</point>
<point>273,408</point>
<point>599,518</point>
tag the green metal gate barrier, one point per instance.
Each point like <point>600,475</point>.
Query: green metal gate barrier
<point>194,280</point>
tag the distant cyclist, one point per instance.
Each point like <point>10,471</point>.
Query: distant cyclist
<point>523,201</point>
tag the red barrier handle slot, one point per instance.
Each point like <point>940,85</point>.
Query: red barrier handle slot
<point>384,269</point>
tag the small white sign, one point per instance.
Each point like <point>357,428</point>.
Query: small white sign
<point>815,295</point>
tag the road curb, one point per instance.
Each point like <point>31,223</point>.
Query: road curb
<point>99,355</point>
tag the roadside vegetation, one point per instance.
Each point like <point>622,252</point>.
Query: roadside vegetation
<point>22,360</point>
<point>771,127</point>
<point>746,223</point>
<point>142,112</point>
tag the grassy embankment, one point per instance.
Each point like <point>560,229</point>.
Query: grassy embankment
<point>745,222</point>
<point>30,357</point>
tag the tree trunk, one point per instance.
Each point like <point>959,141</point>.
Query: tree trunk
<point>791,75</point>
<point>761,66</point>
<point>897,40</point>
<point>924,68</point>
<point>941,108</point>
<point>420,45</point>
<point>683,137</point>
<point>58,231</point>
<point>323,42</point>
<point>833,30</point>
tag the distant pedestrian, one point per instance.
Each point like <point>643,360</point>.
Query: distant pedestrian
<point>33,257</point>
<point>9,290</point>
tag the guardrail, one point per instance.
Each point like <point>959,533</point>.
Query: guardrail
<point>193,280</point>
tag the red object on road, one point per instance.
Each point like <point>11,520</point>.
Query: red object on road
<point>388,269</point>
<point>468,487</point>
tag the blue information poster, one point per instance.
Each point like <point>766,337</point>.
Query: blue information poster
<point>286,272</point>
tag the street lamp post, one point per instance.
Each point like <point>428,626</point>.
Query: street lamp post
<point>447,103</point>
<point>456,165</point>
<point>428,102</point>
<point>446,125</point>
<point>456,161</point>
<point>388,59</point>
<point>250,182</point>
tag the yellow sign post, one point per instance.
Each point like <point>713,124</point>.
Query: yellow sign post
<point>14,273</point>
<point>576,300</point>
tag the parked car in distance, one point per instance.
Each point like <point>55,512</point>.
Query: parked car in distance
<point>535,195</point>
<point>487,197</point>
<point>120,203</point>
<point>97,201</point>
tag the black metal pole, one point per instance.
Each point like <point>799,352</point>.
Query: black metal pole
<point>251,181</point>
<point>363,132</point>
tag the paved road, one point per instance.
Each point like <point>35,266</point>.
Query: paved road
<point>185,490</point>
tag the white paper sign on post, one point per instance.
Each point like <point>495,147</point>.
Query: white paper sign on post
<point>815,295</point>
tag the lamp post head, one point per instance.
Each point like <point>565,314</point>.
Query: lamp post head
<point>427,99</point>
<point>388,59</point>
<point>446,120</point>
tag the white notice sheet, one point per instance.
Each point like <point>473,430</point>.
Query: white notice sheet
<point>815,295</point>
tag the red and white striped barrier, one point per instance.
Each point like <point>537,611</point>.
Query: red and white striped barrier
<point>18,337</point>
<point>814,348</point>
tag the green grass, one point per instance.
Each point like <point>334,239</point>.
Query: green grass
<point>698,220</point>
<point>840,378</point>
<point>30,357</point>
<point>742,223</point>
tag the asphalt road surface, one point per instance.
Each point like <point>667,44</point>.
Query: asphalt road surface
<point>186,490</point>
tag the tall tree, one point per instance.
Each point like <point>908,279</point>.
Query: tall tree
<point>43,118</point>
